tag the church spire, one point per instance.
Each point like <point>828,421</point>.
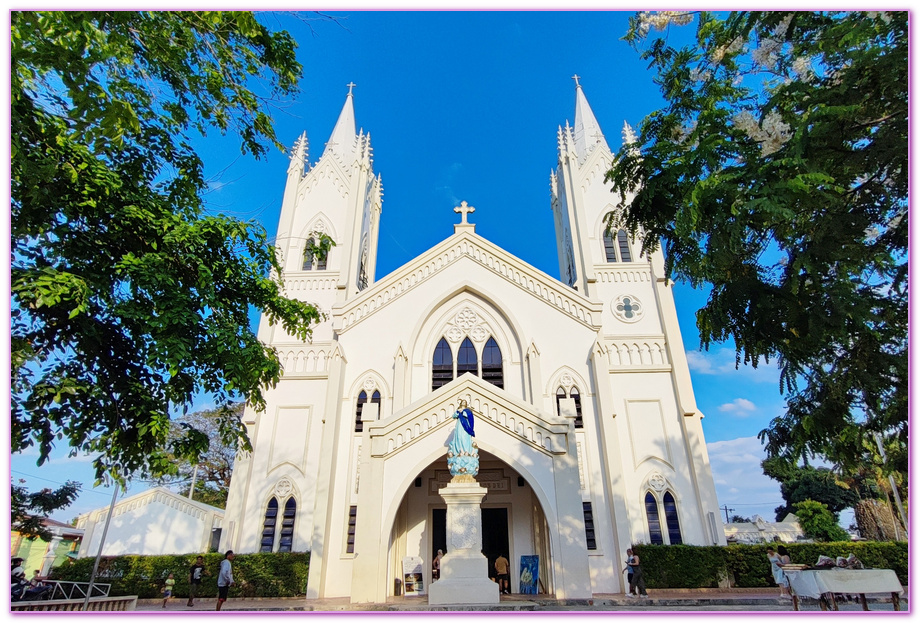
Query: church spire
<point>342,141</point>
<point>587,130</point>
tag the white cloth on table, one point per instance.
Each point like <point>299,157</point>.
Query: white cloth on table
<point>813,583</point>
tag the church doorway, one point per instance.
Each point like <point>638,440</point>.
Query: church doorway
<point>513,522</point>
<point>494,535</point>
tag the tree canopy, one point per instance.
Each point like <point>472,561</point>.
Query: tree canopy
<point>818,522</point>
<point>28,509</point>
<point>798,484</point>
<point>777,174</point>
<point>129,300</point>
<point>214,466</point>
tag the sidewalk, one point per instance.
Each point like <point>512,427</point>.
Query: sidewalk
<point>692,600</point>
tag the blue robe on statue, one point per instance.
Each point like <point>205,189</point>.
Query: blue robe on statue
<point>462,455</point>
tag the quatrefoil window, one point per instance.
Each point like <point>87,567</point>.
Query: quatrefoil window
<point>628,308</point>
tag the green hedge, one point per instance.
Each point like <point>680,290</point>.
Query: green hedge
<point>746,566</point>
<point>255,575</point>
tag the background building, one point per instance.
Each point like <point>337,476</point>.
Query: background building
<point>154,522</point>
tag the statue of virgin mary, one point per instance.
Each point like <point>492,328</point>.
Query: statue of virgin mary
<point>462,452</point>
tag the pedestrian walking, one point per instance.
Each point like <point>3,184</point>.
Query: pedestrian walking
<point>168,588</point>
<point>501,574</point>
<point>195,574</point>
<point>225,578</point>
<point>629,573</point>
<point>636,582</point>
<point>777,560</point>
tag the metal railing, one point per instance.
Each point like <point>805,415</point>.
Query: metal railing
<point>76,590</point>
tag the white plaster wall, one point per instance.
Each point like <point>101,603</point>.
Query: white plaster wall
<point>155,528</point>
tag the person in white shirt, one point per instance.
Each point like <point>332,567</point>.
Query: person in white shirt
<point>225,578</point>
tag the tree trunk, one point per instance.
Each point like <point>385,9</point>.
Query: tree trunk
<point>876,521</point>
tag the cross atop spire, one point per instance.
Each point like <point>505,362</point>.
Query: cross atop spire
<point>350,86</point>
<point>463,209</point>
<point>576,77</point>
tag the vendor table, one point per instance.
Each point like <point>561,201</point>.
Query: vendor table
<point>822,584</point>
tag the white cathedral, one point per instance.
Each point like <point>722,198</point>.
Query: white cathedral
<point>588,432</point>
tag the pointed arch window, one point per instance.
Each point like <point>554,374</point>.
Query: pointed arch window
<point>575,395</point>
<point>654,524</point>
<point>623,240</point>
<point>492,363</point>
<point>466,359</point>
<point>286,542</point>
<point>442,365</point>
<point>310,260</point>
<point>268,526</point>
<point>609,248</point>
<point>670,517</point>
<point>359,408</point>
<point>308,256</point>
<point>375,400</point>
<point>362,272</point>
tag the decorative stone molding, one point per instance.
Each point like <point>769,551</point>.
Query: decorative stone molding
<point>283,488</point>
<point>627,308</point>
<point>605,273</point>
<point>391,436</point>
<point>637,351</point>
<point>467,324</point>
<point>370,384</point>
<point>566,381</point>
<point>657,482</point>
<point>482,252</point>
<point>468,523</point>
<point>304,361</point>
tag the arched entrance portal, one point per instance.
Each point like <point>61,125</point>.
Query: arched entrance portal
<point>402,453</point>
<point>514,524</point>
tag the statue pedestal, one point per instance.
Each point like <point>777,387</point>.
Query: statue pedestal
<point>464,570</point>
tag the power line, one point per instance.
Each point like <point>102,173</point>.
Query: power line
<point>56,482</point>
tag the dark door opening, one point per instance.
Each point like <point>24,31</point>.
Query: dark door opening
<point>495,535</point>
<point>438,531</point>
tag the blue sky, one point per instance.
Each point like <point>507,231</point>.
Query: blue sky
<point>465,106</point>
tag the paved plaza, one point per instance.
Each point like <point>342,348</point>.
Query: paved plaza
<point>677,600</point>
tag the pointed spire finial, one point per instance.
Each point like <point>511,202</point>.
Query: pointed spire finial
<point>576,78</point>
<point>463,209</point>
<point>629,137</point>
<point>350,86</point>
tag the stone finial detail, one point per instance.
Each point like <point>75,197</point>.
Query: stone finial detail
<point>629,137</point>
<point>560,141</point>
<point>299,153</point>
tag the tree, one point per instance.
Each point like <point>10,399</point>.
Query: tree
<point>28,509</point>
<point>818,522</point>
<point>777,174</point>
<point>211,473</point>
<point>128,300</point>
<point>798,484</point>
<point>740,519</point>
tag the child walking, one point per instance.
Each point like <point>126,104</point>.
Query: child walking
<point>168,589</point>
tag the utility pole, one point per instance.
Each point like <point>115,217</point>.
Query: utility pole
<point>727,511</point>
<point>108,518</point>
<point>191,489</point>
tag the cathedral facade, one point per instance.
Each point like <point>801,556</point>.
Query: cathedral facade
<point>588,432</point>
